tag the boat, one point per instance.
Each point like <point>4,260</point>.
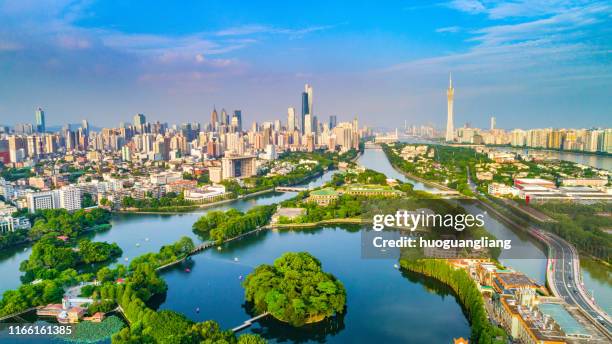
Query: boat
<point>396,266</point>
<point>187,270</point>
<point>126,259</point>
<point>197,309</point>
<point>240,277</point>
<point>218,248</point>
<point>146,239</point>
<point>137,244</point>
<point>235,259</point>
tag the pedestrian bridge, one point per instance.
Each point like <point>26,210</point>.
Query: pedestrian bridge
<point>290,189</point>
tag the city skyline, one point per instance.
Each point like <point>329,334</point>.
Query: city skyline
<point>520,62</point>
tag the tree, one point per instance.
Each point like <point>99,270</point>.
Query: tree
<point>295,290</point>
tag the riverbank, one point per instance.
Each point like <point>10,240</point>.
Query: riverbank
<point>190,208</point>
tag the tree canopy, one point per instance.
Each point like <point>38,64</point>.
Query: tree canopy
<point>295,290</point>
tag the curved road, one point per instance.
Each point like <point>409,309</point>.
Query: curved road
<point>566,280</point>
<point>563,272</point>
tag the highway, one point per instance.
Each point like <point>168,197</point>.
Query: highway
<point>566,279</point>
<point>563,275</point>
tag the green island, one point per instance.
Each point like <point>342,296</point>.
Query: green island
<point>51,255</point>
<point>220,226</point>
<point>295,290</point>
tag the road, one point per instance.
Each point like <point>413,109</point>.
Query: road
<point>566,280</point>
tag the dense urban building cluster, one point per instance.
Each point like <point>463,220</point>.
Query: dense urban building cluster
<point>585,140</point>
<point>75,168</point>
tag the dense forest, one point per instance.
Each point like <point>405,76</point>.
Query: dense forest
<point>57,222</point>
<point>582,225</point>
<point>219,225</point>
<point>295,290</point>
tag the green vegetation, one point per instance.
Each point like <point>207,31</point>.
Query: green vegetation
<point>56,222</point>
<point>63,222</point>
<point>447,166</point>
<point>295,290</point>
<point>41,293</point>
<point>139,283</point>
<point>50,256</point>
<point>346,206</point>
<point>87,201</point>
<point>466,291</point>
<point>219,225</point>
<point>170,202</point>
<point>166,254</point>
<point>582,225</point>
<point>30,295</point>
<point>89,332</point>
<point>12,174</point>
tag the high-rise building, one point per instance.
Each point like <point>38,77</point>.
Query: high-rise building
<point>214,119</point>
<point>139,122</point>
<point>493,123</point>
<point>307,124</point>
<point>333,121</point>
<point>40,121</point>
<point>238,122</point>
<point>291,119</point>
<point>85,126</point>
<point>306,105</point>
<point>70,197</point>
<point>450,128</point>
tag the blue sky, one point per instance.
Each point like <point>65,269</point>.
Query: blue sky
<point>529,63</point>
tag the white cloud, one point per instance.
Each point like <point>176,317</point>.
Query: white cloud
<point>448,29</point>
<point>468,6</point>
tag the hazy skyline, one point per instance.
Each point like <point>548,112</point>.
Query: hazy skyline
<point>529,65</point>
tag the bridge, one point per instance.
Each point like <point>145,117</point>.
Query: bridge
<point>290,189</point>
<point>249,322</point>
<point>18,313</point>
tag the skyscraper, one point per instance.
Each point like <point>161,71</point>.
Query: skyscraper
<point>304,110</point>
<point>238,116</point>
<point>450,128</point>
<point>214,119</point>
<point>333,121</point>
<point>291,119</point>
<point>139,120</point>
<point>493,122</point>
<point>40,121</point>
<point>306,105</point>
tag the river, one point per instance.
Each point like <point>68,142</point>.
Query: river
<point>383,303</point>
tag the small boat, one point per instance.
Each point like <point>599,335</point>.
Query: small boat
<point>396,266</point>
<point>197,309</point>
<point>25,249</point>
<point>146,239</point>
<point>187,270</point>
<point>137,244</point>
<point>235,259</point>
<point>240,277</point>
<point>218,248</point>
<point>126,259</point>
